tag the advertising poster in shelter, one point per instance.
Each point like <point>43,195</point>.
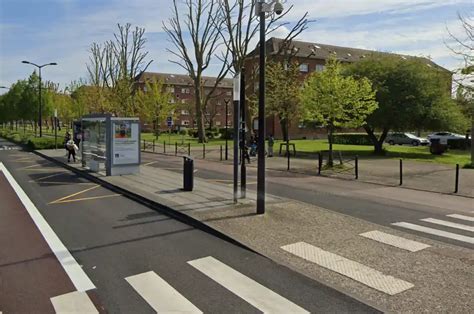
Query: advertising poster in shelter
<point>126,146</point>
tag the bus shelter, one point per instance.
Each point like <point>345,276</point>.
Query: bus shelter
<point>111,145</point>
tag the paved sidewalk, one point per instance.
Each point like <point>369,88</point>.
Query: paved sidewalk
<point>327,246</point>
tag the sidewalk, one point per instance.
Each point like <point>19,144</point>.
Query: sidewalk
<point>325,245</point>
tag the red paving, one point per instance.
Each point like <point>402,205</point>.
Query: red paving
<point>30,274</point>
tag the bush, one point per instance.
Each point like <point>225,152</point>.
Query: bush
<point>42,143</point>
<point>229,135</point>
<point>352,139</point>
<point>459,144</point>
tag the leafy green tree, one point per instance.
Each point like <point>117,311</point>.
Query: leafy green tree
<point>154,104</point>
<point>335,100</point>
<point>410,92</point>
<point>283,92</point>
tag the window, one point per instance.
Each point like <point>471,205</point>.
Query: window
<point>219,103</point>
<point>229,93</point>
<point>319,68</point>
<point>183,101</point>
<point>172,101</point>
<point>185,122</point>
<point>185,90</point>
<point>304,67</point>
<point>218,123</point>
<point>170,89</point>
<point>185,112</point>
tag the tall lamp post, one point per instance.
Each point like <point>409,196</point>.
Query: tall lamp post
<point>263,8</point>
<point>40,117</point>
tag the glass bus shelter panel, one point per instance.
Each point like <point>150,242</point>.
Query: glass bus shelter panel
<point>94,145</point>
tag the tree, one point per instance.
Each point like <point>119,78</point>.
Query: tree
<point>113,67</point>
<point>155,104</point>
<point>195,36</point>
<point>283,93</point>
<point>239,32</point>
<point>408,91</point>
<point>464,47</point>
<point>335,100</point>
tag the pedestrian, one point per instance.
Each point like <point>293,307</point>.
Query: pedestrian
<point>271,142</point>
<point>253,147</point>
<point>71,150</point>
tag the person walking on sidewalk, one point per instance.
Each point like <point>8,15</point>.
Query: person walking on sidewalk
<point>271,142</point>
<point>71,150</point>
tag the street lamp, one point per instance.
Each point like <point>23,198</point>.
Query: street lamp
<point>262,9</point>
<point>40,124</point>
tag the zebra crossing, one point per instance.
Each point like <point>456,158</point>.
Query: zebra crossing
<point>162,297</point>
<point>454,227</point>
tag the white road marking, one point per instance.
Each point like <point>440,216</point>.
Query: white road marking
<point>162,297</point>
<point>436,232</point>
<point>354,270</point>
<point>448,224</point>
<point>399,242</point>
<point>463,217</point>
<point>251,291</point>
<point>72,268</point>
<point>74,302</point>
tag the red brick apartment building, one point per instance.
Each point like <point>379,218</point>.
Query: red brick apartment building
<point>181,86</point>
<point>311,57</point>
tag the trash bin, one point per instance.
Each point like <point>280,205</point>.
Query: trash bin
<point>436,148</point>
<point>188,174</point>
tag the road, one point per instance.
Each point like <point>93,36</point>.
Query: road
<point>378,204</point>
<point>128,258</point>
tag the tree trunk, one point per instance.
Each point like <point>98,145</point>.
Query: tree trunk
<point>377,142</point>
<point>199,115</point>
<point>284,128</point>
<point>472,141</point>
<point>330,140</point>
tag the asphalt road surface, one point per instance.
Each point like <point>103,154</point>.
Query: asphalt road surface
<point>138,260</point>
<point>337,195</point>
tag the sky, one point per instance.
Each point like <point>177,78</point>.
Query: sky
<point>43,31</point>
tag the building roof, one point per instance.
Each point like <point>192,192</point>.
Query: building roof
<point>322,51</point>
<point>182,80</point>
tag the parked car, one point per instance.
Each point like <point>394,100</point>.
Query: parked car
<point>446,136</point>
<point>405,138</point>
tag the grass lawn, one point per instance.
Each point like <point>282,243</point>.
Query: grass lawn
<point>419,153</point>
<point>172,138</point>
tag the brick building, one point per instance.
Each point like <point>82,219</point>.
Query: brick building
<point>181,87</point>
<point>311,57</point>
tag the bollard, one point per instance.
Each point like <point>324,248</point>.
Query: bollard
<point>320,163</point>
<point>456,183</point>
<point>189,149</point>
<point>203,151</point>
<point>357,167</point>
<point>144,143</point>
<point>401,171</point>
<point>164,147</point>
<point>153,145</point>
<point>221,152</point>
<point>176,148</point>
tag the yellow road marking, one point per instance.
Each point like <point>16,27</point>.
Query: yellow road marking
<point>47,177</point>
<point>74,194</point>
<point>150,163</point>
<point>64,183</point>
<point>86,199</point>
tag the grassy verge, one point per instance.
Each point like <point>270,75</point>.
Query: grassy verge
<point>28,139</point>
<point>176,138</point>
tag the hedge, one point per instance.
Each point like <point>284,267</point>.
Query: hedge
<point>43,143</point>
<point>459,144</point>
<point>352,139</point>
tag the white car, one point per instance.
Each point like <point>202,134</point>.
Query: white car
<point>444,136</point>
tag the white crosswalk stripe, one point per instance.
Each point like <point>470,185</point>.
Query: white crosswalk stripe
<point>249,290</point>
<point>74,302</point>
<point>160,295</point>
<point>436,232</point>
<point>448,224</point>
<point>354,270</point>
<point>462,217</point>
<point>399,242</point>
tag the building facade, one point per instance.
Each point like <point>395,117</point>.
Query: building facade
<point>311,57</point>
<point>182,89</point>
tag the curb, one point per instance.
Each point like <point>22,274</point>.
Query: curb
<point>163,209</point>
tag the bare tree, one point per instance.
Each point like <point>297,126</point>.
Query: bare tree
<point>194,30</point>
<point>114,65</point>
<point>464,47</point>
<point>239,35</point>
